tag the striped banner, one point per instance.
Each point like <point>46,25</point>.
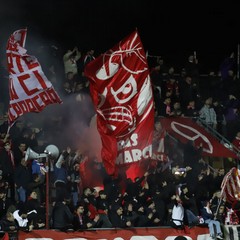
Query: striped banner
<point>232,232</point>
<point>230,187</point>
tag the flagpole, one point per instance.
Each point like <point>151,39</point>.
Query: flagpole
<point>220,202</point>
<point>8,130</point>
<point>47,192</point>
<point>238,62</point>
<point>152,56</point>
<point>195,55</point>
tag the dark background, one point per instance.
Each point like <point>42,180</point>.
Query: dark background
<point>171,29</point>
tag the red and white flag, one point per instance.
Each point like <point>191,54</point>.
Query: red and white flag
<point>185,129</point>
<point>230,187</point>
<point>122,94</point>
<point>29,88</point>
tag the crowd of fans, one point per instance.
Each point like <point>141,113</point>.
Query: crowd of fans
<point>162,196</point>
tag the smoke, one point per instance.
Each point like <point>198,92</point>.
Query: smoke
<point>66,124</point>
<point>70,124</point>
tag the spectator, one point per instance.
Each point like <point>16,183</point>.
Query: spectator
<point>187,91</point>
<point>129,213</point>
<point>191,110</point>
<point>7,165</point>
<point>221,121</point>
<point>22,178</point>
<point>70,59</point>
<point>8,224</point>
<point>117,218</point>
<point>6,204</point>
<point>19,152</point>
<point>236,142</point>
<point>74,183</point>
<point>190,206</point>
<point>62,217</point>
<point>209,218</point>
<point>88,57</point>
<point>21,216</point>
<point>33,205</point>
<point>177,217</point>
<point>81,219</point>
<point>61,175</point>
<point>192,68</point>
<point>208,114</point>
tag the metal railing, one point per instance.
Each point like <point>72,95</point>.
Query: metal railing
<point>218,136</point>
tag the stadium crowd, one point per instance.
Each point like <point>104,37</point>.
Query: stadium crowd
<point>186,192</point>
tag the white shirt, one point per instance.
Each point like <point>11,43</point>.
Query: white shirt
<point>178,214</point>
<point>21,221</point>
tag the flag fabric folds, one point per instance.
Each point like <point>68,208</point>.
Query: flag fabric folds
<point>230,187</point>
<point>185,129</point>
<point>121,91</point>
<point>29,88</point>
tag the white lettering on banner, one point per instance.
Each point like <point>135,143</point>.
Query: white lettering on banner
<point>118,238</point>
<point>36,104</point>
<point>174,126</point>
<point>134,155</point>
<point>129,142</point>
<point>63,239</point>
<point>38,239</point>
<point>19,64</point>
<point>200,237</point>
<point>138,237</point>
<point>80,239</point>
<point>22,85</point>
<point>173,237</point>
<point>143,238</point>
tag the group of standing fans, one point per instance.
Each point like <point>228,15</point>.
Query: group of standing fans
<point>161,197</point>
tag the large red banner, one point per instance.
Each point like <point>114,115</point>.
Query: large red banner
<point>29,88</point>
<point>185,129</point>
<point>164,233</point>
<point>122,94</point>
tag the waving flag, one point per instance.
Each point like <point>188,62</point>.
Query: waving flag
<point>230,187</point>
<point>29,89</point>
<point>122,94</point>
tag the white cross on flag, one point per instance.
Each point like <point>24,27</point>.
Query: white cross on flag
<point>29,88</point>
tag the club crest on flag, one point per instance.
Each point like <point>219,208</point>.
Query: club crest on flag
<point>121,90</point>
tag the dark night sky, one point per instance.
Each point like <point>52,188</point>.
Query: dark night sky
<point>172,29</point>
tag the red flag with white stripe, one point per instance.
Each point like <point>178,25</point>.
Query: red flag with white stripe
<point>122,94</point>
<point>29,88</point>
<point>230,187</point>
